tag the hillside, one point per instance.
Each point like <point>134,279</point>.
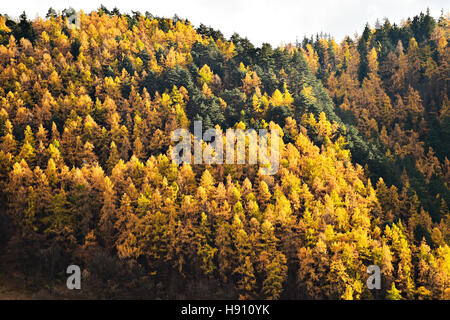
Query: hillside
<point>86,176</point>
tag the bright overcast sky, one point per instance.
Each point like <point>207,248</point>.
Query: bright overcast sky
<point>259,20</point>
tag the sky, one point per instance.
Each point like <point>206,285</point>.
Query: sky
<point>274,22</point>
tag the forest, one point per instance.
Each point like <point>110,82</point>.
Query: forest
<point>86,176</point>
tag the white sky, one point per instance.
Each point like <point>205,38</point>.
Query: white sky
<point>259,20</point>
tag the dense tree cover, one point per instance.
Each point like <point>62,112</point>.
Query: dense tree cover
<point>392,83</point>
<point>86,177</point>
